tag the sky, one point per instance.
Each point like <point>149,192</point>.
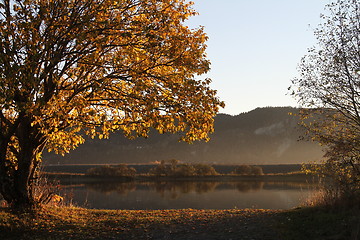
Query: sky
<point>255,46</point>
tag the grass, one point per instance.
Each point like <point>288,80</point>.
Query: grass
<point>320,223</point>
<point>80,223</point>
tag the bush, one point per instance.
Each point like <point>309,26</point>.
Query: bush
<point>248,170</point>
<point>162,169</point>
<point>204,170</point>
<point>256,170</point>
<point>112,171</point>
<point>242,170</point>
<point>185,170</point>
<point>170,168</point>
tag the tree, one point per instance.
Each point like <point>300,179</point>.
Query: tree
<point>161,169</point>
<point>121,170</point>
<point>70,68</point>
<point>257,170</point>
<point>204,170</point>
<point>184,170</point>
<point>242,170</point>
<point>329,89</point>
<point>248,170</point>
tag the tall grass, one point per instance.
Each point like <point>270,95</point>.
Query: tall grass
<point>332,195</point>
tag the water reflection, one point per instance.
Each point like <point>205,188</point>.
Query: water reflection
<point>185,187</point>
<point>186,194</point>
<point>122,188</point>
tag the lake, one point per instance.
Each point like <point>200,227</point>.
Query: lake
<point>187,194</point>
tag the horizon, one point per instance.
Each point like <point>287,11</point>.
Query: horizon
<point>222,113</point>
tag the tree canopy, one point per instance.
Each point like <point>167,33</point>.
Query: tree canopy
<point>69,68</point>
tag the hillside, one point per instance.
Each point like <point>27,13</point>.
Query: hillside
<point>261,136</point>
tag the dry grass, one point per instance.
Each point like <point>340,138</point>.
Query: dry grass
<point>332,197</point>
<point>320,223</point>
<point>68,222</point>
<point>327,214</point>
<point>80,223</point>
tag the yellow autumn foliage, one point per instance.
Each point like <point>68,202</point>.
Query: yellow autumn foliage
<point>69,68</point>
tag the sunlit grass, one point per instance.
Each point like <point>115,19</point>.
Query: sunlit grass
<point>69,222</point>
<point>80,223</point>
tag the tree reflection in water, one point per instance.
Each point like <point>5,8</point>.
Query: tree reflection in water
<point>122,188</point>
<point>173,189</point>
<point>190,194</point>
<point>249,186</point>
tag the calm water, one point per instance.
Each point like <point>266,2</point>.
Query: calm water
<point>197,195</point>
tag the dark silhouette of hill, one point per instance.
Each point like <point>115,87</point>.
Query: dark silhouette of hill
<point>262,136</point>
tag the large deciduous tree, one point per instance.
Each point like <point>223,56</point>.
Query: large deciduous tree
<point>73,67</point>
<point>329,86</point>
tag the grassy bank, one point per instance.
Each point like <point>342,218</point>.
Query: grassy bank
<point>320,223</point>
<point>80,223</point>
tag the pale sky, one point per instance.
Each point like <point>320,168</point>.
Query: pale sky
<point>255,47</point>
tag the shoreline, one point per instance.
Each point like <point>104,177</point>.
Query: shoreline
<point>83,178</point>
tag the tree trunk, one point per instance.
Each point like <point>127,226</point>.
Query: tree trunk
<point>6,182</point>
<point>17,186</point>
<point>17,178</point>
<point>24,181</point>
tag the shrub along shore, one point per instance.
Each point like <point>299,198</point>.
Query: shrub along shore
<point>173,171</point>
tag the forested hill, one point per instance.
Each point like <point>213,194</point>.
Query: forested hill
<point>262,136</point>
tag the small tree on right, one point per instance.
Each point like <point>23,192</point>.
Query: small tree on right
<point>328,89</point>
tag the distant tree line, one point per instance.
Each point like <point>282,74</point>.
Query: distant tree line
<point>171,168</point>
<point>120,170</point>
